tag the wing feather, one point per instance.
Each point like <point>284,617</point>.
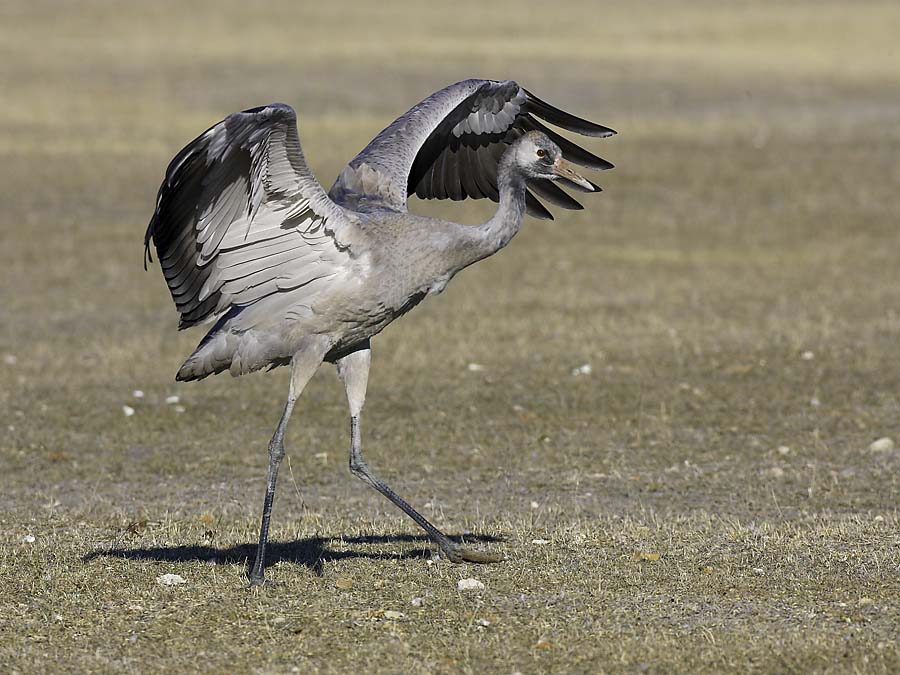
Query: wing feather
<point>239,216</point>
<point>437,149</point>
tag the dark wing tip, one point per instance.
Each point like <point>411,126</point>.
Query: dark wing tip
<point>566,120</point>
<point>273,112</point>
<point>148,256</point>
<point>534,207</point>
<point>274,109</point>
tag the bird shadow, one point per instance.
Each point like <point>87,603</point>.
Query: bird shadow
<point>312,552</point>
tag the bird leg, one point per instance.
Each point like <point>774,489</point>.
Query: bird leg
<point>354,371</point>
<point>303,367</point>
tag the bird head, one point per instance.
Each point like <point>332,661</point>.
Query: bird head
<point>539,157</point>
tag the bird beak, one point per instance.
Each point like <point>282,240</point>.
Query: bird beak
<point>564,169</point>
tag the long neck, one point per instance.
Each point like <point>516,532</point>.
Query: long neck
<point>497,232</point>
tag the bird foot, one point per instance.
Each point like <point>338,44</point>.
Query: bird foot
<point>459,554</point>
<point>262,582</point>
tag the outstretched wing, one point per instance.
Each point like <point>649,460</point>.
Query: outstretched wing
<point>240,217</point>
<point>449,147</point>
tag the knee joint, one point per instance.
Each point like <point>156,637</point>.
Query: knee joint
<point>357,466</point>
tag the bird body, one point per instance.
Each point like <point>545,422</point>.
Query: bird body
<point>248,239</point>
<point>403,259</point>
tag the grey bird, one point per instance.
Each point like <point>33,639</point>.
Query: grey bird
<point>249,241</point>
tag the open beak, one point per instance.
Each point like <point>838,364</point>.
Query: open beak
<point>564,169</point>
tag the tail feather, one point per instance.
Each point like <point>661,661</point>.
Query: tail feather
<point>237,352</point>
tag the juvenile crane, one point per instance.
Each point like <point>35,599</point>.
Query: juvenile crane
<point>249,241</point>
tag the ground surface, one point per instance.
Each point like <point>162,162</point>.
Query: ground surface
<point>708,490</point>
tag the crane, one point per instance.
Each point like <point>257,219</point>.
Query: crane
<point>287,274</point>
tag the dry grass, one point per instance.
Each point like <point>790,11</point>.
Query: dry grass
<point>708,495</point>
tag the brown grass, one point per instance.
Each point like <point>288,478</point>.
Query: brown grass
<point>708,493</point>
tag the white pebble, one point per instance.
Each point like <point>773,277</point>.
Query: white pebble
<point>469,585</point>
<point>784,450</point>
<point>172,400</point>
<point>127,410</point>
<point>10,359</point>
<point>815,402</point>
<point>475,367</point>
<point>28,539</point>
<point>882,445</point>
<point>483,622</point>
<point>584,369</point>
<point>394,615</point>
<point>540,542</point>
<point>170,579</point>
<point>417,602</point>
<point>535,505</point>
<point>759,570</point>
<point>807,356</point>
<point>137,393</point>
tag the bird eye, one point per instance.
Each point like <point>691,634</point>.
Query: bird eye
<point>541,152</point>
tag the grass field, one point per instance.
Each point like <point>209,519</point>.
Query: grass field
<point>708,496</point>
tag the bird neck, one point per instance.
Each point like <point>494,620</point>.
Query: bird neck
<point>502,227</point>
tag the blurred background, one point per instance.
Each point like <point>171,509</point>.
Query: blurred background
<point>714,337</point>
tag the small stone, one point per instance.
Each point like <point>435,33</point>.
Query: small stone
<point>394,615</point>
<point>475,367</point>
<point>807,356</point>
<point>278,620</point>
<point>10,359</point>
<point>469,585</point>
<point>784,450</point>
<point>815,402</point>
<point>28,539</point>
<point>170,579</point>
<point>535,505</point>
<point>584,369</point>
<point>484,623</point>
<point>879,519</point>
<point>759,571</point>
<point>137,393</point>
<point>417,601</point>
<point>127,410</point>
<point>540,542</point>
<point>776,472</point>
<point>882,445</point>
<point>172,400</point>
